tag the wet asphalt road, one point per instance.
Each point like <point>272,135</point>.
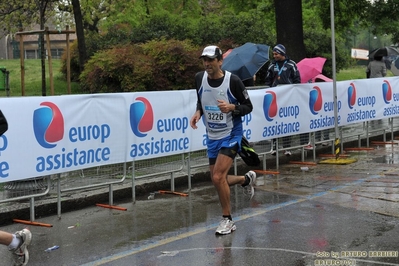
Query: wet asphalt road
<point>327,215</point>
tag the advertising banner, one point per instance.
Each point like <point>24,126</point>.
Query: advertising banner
<point>55,134</point>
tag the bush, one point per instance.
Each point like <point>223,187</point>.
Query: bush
<point>153,66</point>
<point>93,42</point>
<point>111,70</point>
<point>174,64</point>
<point>74,65</point>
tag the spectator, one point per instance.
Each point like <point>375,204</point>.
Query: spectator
<point>376,68</point>
<point>281,71</point>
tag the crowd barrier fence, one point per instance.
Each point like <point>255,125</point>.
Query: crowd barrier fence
<point>171,166</point>
<point>54,168</point>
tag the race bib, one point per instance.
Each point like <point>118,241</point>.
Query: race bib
<point>216,119</point>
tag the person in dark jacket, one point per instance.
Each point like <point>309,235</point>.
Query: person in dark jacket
<point>282,71</point>
<point>376,68</point>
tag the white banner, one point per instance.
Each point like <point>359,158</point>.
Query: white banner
<point>49,135</point>
<point>360,53</point>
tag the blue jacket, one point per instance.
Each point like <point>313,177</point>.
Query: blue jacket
<point>282,72</point>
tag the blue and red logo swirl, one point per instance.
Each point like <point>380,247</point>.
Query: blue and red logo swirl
<point>141,117</point>
<point>386,92</point>
<point>315,100</point>
<point>351,95</point>
<point>48,125</point>
<point>270,105</point>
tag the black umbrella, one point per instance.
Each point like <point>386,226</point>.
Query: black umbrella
<point>395,67</point>
<point>384,51</point>
<point>246,60</point>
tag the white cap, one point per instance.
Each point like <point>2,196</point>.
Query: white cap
<point>211,52</point>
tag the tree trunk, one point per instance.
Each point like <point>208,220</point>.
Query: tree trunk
<point>43,62</point>
<point>77,13</point>
<point>42,9</point>
<point>289,27</point>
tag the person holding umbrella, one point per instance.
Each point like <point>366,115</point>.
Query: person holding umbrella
<point>281,71</point>
<point>376,68</point>
<point>222,100</point>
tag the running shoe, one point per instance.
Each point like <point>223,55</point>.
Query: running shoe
<point>225,227</point>
<point>21,253</point>
<point>249,189</point>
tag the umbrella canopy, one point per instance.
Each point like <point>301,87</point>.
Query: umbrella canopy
<point>310,67</point>
<point>395,66</point>
<point>246,60</point>
<point>225,54</point>
<point>321,78</point>
<point>384,51</point>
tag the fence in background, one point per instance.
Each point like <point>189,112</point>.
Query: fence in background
<point>62,185</point>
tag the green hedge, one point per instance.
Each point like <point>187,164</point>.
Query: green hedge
<point>153,66</point>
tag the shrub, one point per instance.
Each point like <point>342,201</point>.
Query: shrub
<point>112,70</point>
<point>93,43</point>
<point>74,65</point>
<point>174,64</point>
<point>153,66</point>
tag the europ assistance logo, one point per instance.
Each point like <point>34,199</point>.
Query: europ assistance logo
<point>351,95</point>
<point>141,117</point>
<point>386,92</point>
<point>315,100</point>
<point>270,105</point>
<point>48,125</point>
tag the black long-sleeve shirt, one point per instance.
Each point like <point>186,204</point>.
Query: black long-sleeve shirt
<point>237,88</point>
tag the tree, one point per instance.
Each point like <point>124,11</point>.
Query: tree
<point>384,17</point>
<point>303,26</point>
<point>87,17</point>
<point>18,14</point>
<point>79,34</point>
<point>289,27</point>
<point>42,6</point>
<point>346,12</point>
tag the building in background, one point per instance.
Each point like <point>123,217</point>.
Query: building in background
<point>9,45</point>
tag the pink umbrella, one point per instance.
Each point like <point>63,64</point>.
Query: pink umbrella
<point>310,67</point>
<point>321,78</point>
<point>227,53</point>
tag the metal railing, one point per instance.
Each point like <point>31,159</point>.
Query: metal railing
<point>168,168</point>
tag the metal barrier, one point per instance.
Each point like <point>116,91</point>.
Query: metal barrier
<point>364,130</point>
<point>31,197</point>
<point>196,160</point>
<point>182,164</point>
<point>157,167</point>
<point>91,178</point>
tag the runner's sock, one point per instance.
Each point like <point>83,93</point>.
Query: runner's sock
<point>228,216</point>
<point>14,242</point>
<point>246,182</point>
